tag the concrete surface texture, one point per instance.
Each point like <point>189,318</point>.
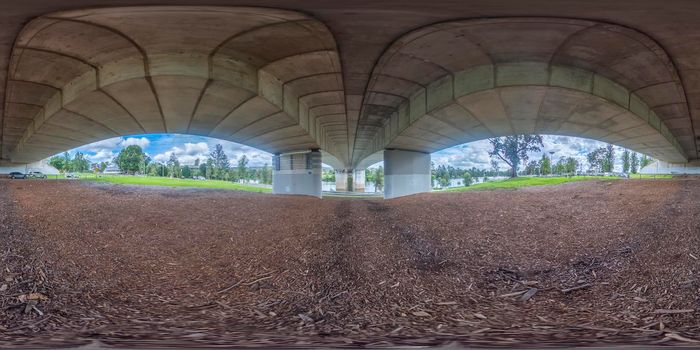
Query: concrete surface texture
<point>406,173</point>
<point>350,78</point>
<point>297,173</point>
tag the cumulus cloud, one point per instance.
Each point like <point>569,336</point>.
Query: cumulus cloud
<point>475,154</point>
<point>142,142</point>
<point>189,152</point>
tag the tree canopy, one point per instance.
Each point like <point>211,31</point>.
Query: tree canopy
<point>513,150</point>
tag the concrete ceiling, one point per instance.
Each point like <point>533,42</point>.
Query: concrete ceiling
<point>350,78</point>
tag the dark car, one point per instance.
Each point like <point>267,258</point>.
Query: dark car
<point>37,175</point>
<point>17,175</point>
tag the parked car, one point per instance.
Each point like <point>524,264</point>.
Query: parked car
<point>72,176</point>
<point>17,175</point>
<point>37,175</point>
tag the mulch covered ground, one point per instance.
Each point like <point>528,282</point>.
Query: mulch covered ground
<point>583,263</point>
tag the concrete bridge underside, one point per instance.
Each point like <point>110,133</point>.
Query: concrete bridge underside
<point>350,83</point>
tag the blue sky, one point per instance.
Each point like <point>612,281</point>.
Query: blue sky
<point>188,148</point>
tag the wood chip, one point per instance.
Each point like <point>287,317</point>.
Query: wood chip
<point>678,337</point>
<point>579,287</point>
<point>480,316</point>
<point>529,294</point>
<point>514,294</point>
<point>421,314</point>
<point>676,311</point>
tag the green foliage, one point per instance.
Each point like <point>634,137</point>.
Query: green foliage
<point>545,165</point>
<point>520,182</point>
<point>645,161</point>
<point>130,159</point>
<point>513,150</point>
<point>174,166</point>
<point>174,182</point>
<point>241,168</point>
<point>328,175</point>
<point>468,179</point>
<point>634,163</point>
<point>218,163</point>
<point>565,165</point>
<point>602,159</point>
<point>378,177</point>
<point>186,172</point>
<point>58,162</point>
<point>626,161</point>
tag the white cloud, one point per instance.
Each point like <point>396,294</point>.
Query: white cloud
<point>475,154</point>
<point>189,152</point>
<point>141,142</point>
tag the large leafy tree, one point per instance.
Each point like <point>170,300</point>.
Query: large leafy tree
<point>80,163</point>
<point>602,159</point>
<point>174,165</point>
<point>513,150</point>
<point>220,163</point>
<point>545,165</point>
<point>626,161</point>
<point>634,163</point>
<point>130,159</point>
<point>58,162</point>
<point>241,167</point>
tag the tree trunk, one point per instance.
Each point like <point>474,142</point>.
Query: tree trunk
<point>513,172</point>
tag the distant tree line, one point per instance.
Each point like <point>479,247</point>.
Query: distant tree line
<point>65,164</point>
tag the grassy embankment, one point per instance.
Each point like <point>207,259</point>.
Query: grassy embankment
<point>520,182</point>
<point>165,181</point>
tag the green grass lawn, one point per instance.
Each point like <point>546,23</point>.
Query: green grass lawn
<point>520,182</point>
<point>164,181</point>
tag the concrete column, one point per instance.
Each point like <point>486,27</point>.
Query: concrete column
<point>358,180</point>
<point>297,173</point>
<point>661,167</point>
<point>341,180</point>
<point>406,172</point>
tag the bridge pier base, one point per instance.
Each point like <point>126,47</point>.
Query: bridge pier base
<point>405,173</point>
<point>297,173</point>
<point>660,167</point>
<point>350,180</point>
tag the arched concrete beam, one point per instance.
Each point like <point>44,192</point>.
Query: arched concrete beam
<point>140,70</point>
<point>423,65</point>
<point>527,97</point>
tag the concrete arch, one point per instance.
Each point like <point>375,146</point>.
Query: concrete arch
<point>461,81</point>
<point>196,70</point>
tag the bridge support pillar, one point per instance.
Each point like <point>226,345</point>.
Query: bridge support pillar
<point>405,173</point>
<point>661,167</point>
<point>341,180</point>
<point>350,180</point>
<point>297,173</point>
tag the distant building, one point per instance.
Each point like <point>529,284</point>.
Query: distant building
<point>112,169</point>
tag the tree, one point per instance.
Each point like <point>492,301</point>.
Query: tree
<point>513,150</point>
<point>602,159</point>
<point>379,178</point>
<point>609,159</point>
<point>532,168</point>
<point>80,163</point>
<point>186,172</point>
<point>266,174</point>
<point>468,180</point>
<point>644,161</point>
<point>626,161</point>
<point>220,164</point>
<point>634,163</point>
<point>130,159</point>
<point>545,165</point>
<point>58,162</point>
<point>174,165</point>
<point>241,167</point>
